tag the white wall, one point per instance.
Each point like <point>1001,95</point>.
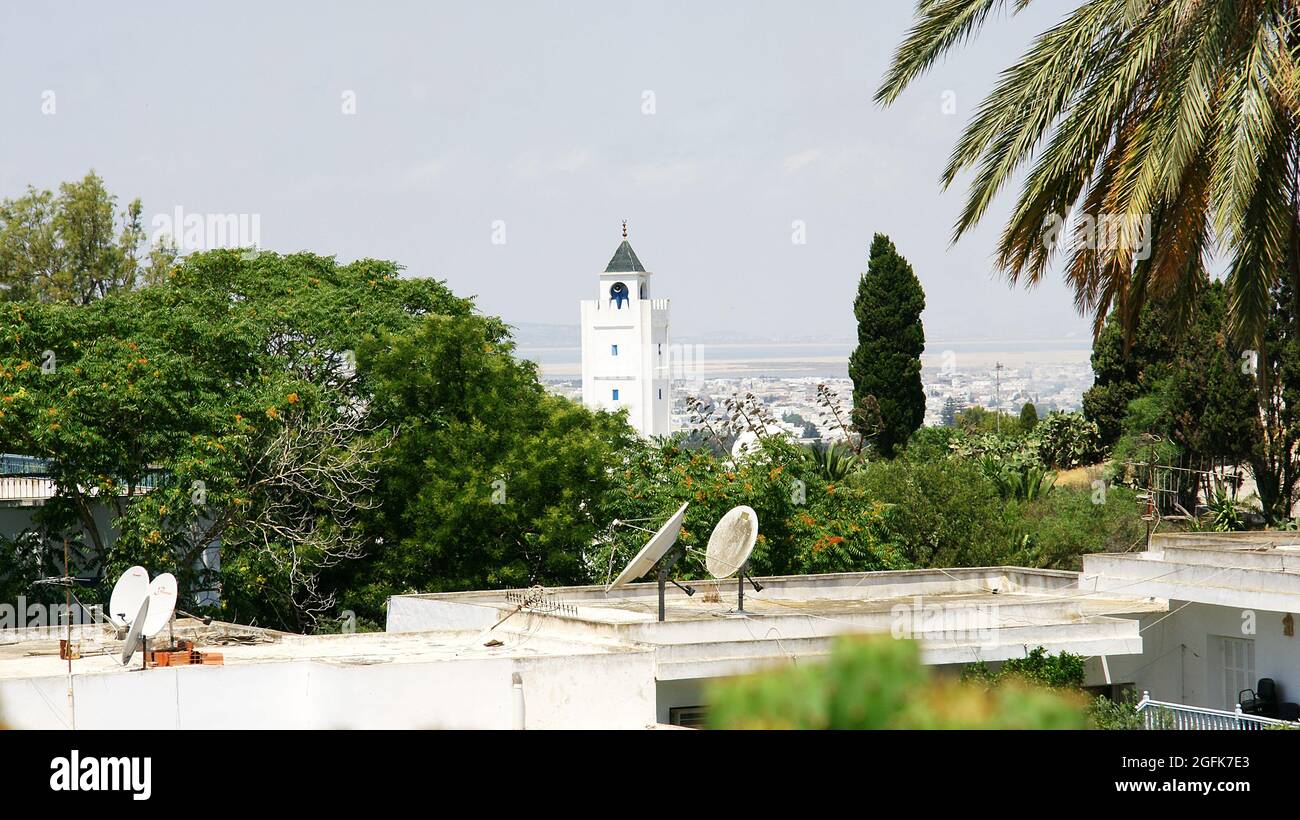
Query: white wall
<point>614,690</point>
<point>1179,661</point>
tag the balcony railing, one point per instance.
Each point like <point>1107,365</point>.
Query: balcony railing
<point>28,480</point>
<point>1160,715</point>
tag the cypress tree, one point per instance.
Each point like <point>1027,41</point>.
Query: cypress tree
<point>1028,417</point>
<point>886,365</point>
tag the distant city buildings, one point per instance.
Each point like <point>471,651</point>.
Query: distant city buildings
<point>793,399</point>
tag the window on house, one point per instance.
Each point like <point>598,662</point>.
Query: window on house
<point>615,394</point>
<point>1238,660</point>
<point>690,716</point>
<point>613,350</point>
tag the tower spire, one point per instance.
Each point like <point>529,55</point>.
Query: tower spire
<point>625,229</point>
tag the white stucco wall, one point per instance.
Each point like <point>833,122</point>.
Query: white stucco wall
<point>1180,661</point>
<point>614,690</point>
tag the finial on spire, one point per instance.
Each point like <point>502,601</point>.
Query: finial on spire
<point>625,229</point>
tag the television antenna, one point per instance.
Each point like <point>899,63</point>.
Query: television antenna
<point>729,549</point>
<point>661,549</point>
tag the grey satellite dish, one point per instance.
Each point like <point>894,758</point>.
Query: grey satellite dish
<point>137,629</point>
<point>162,602</point>
<point>731,542</point>
<point>654,549</point>
<point>131,588</point>
<point>729,549</point>
<point>658,550</point>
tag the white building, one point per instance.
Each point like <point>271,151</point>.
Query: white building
<point>1195,621</point>
<point>576,657</point>
<point>1231,599</point>
<point>959,616</point>
<point>625,353</point>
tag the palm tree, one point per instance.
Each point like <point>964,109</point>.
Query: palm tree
<point>1180,114</point>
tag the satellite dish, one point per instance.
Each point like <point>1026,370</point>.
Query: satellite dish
<point>128,592</point>
<point>137,627</point>
<point>654,549</point>
<point>731,542</point>
<point>162,601</point>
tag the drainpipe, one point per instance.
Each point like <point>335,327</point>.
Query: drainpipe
<point>517,699</point>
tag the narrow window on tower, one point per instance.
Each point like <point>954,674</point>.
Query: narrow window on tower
<point>661,392</point>
<point>615,394</point>
<point>613,350</point>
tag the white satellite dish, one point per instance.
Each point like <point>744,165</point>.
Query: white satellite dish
<point>729,548</point>
<point>654,549</point>
<point>731,542</point>
<point>128,592</point>
<point>162,602</point>
<point>658,550</point>
<point>137,627</point>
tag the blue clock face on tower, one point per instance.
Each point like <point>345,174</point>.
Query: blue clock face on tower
<point>618,294</point>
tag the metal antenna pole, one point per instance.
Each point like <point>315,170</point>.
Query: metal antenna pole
<point>68,611</point>
<point>997,382</point>
<point>67,579</point>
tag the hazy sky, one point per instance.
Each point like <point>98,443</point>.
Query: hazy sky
<point>532,114</point>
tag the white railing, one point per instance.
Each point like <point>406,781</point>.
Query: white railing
<point>1158,714</point>
<point>38,489</point>
<point>23,488</point>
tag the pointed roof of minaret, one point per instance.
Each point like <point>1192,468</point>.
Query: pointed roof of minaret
<point>624,260</point>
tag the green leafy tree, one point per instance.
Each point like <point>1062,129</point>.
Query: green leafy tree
<point>1126,368</point>
<point>228,393</point>
<point>72,247</point>
<point>1274,462</point>
<point>1183,380</point>
<point>886,364</point>
<point>488,480</point>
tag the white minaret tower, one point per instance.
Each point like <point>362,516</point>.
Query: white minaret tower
<point>625,345</point>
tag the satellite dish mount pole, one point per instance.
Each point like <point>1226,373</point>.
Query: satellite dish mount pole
<point>665,567</point>
<point>742,577</point>
<point>740,587</point>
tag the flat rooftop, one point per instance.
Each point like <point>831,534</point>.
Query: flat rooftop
<point>1051,594</point>
<point>959,615</point>
<point>35,653</point>
<point>1239,569</point>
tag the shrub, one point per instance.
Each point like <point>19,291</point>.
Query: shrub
<point>1104,713</point>
<point>1053,531</point>
<point>1067,440</point>
<point>875,682</point>
<point>941,513</point>
<point>1039,667</point>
